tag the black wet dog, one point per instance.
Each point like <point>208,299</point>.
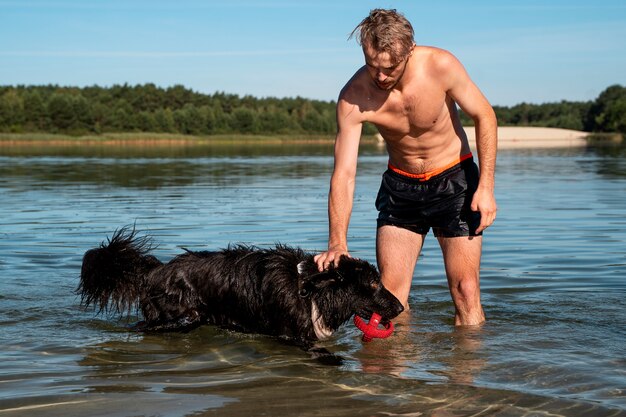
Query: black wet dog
<point>277,291</point>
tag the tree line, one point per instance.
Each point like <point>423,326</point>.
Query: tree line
<point>149,108</point>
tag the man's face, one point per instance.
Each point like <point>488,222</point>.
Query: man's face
<point>384,71</point>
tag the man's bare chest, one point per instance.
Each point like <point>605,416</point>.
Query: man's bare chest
<point>410,114</point>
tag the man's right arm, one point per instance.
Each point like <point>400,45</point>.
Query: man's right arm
<point>342,183</point>
<point>471,100</point>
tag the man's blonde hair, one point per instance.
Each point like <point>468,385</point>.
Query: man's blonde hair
<point>386,30</point>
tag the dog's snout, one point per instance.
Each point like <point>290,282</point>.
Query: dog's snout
<point>393,307</point>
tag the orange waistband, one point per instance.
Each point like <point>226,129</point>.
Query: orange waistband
<point>428,175</point>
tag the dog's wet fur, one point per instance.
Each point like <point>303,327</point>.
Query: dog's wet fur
<point>278,291</point>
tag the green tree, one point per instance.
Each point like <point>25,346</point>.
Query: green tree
<point>146,122</point>
<point>189,120</point>
<point>83,117</point>
<point>616,116</point>
<point>244,120</point>
<point>11,111</point>
<point>177,96</point>
<point>608,112</point>
<point>312,121</point>
<point>221,118</point>
<point>275,120</point>
<point>122,118</point>
<point>164,119</point>
<point>35,113</point>
<point>206,113</point>
<point>151,108</point>
<point>60,112</point>
<point>102,116</point>
<point>147,97</point>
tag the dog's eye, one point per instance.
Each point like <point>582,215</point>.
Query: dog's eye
<point>375,285</point>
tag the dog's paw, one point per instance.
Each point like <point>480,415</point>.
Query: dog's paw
<point>325,357</point>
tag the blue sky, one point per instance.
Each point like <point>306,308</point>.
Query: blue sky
<point>516,51</point>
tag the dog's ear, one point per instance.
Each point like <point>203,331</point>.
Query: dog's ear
<point>314,283</point>
<point>310,279</point>
<point>355,269</point>
<point>304,274</point>
<point>301,268</point>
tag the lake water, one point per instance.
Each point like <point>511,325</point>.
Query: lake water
<point>553,285</point>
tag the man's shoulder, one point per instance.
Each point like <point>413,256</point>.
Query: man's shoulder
<point>357,86</point>
<point>433,55</point>
<point>430,50</point>
<point>436,62</point>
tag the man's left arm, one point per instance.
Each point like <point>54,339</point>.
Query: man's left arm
<point>472,101</point>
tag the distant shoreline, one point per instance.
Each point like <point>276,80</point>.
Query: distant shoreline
<point>509,137</point>
<point>153,139</point>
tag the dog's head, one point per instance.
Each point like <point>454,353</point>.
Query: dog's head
<point>353,287</point>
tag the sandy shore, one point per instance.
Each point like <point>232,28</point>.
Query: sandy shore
<point>534,137</point>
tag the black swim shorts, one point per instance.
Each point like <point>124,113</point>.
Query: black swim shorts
<point>441,202</point>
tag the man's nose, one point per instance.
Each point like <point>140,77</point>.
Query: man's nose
<point>381,76</point>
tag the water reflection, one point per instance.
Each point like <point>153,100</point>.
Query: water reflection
<point>606,161</point>
<point>151,175</point>
<point>166,166</point>
<point>242,375</point>
<point>409,354</point>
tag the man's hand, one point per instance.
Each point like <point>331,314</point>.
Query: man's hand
<point>484,202</point>
<point>332,255</point>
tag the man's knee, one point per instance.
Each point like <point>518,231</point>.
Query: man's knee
<point>466,297</point>
<point>466,289</point>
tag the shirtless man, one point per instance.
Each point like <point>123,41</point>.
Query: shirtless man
<point>410,94</point>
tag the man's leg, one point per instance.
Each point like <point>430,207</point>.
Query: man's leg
<point>397,250</point>
<point>461,256</point>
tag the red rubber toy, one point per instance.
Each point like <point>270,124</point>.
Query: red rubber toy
<point>370,330</point>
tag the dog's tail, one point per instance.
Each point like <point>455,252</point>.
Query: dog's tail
<point>112,275</point>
